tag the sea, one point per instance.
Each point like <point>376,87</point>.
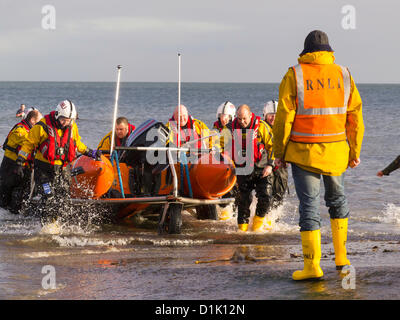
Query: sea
<point>209,260</point>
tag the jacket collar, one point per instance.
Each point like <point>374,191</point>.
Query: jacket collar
<point>317,57</point>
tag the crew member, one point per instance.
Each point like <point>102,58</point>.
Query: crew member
<point>252,148</point>
<point>319,129</point>
<point>191,129</point>
<point>13,188</point>
<point>122,131</point>
<point>225,114</point>
<point>57,141</point>
<point>279,174</point>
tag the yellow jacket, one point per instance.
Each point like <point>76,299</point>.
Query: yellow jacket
<point>265,136</point>
<point>16,138</point>
<point>323,158</point>
<point>105,143</point>
<point>37,135</point>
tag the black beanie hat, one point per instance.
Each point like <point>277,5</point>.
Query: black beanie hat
<point>316,41</point>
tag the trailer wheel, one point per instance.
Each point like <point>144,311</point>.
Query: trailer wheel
<point>207,212</point>
<point>173,220</point>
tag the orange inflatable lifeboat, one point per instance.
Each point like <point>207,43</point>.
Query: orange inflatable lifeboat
<point>91,179</point>
<point>174,186</point>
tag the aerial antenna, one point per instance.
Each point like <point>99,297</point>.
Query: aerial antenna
<point>115,108</point>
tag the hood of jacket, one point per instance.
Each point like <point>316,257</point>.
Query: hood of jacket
<point>317,57</point>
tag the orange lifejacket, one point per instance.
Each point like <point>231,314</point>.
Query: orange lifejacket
<point>245,138</point>
<point>120,142</point>
<point>55,147</point>
<point>217,125</point>
<point>323,93</point>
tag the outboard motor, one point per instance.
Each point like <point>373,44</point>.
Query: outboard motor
<point>142,178</point>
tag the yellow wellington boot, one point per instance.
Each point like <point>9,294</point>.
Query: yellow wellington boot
<point>258,223</point>
<point>339,238</point>
<point>269,224</point>
<point>311,242</point>
<point>225,214</point>
<point>243,227</point>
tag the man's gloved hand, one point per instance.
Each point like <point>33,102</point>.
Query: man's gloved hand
<point>95,154</point>
<point>19,170</point>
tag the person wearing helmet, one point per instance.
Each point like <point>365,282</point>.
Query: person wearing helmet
<point>122,131</point>
<point>225,114</point>
<point>13,188</point>
<point>279,174</point>
<point>269,112</point>
<point>56,140</point>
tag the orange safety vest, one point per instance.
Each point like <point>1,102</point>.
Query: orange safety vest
<point>323,93</point>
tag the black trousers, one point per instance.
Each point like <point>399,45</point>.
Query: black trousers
<point>13,189</point>
<point>52,186</point>
<point>263,188</point>
<point>279,186</point>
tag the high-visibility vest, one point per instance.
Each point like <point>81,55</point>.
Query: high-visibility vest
<point>323,93</point>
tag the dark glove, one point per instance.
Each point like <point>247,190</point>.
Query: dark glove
<point>95,154</point>
<point>19,170</point>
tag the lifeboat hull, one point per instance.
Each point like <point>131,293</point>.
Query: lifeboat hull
<point>210,178</point>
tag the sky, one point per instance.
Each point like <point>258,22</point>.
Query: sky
<point>219,40</point>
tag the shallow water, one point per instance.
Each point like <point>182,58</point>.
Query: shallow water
<point>134,262</point>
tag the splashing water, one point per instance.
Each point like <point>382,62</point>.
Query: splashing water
<point>391,214</point>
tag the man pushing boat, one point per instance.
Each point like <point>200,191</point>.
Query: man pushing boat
<point>56,139</point>
<point>191,129</point>
<point>122,131</point>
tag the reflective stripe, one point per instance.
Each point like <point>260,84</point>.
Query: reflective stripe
<point>346,85</point>
<point>300,88</point>
<point>321,111</point>
<point>316,134</point>
<point>23,153</point>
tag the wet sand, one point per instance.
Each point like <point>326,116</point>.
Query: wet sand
<point>122,262</point>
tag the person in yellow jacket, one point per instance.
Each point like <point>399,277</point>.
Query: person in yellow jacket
<point>56,141</point>
<point>319,129</point>
<point>13,188</point>
<point>122,131</point>
<point>253,157</point>
<point>191,130</point>
<point>280,174</point>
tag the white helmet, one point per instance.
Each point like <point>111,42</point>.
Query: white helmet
<point>226,108</point>
<point>270,107</point>
<point>66,109</point>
